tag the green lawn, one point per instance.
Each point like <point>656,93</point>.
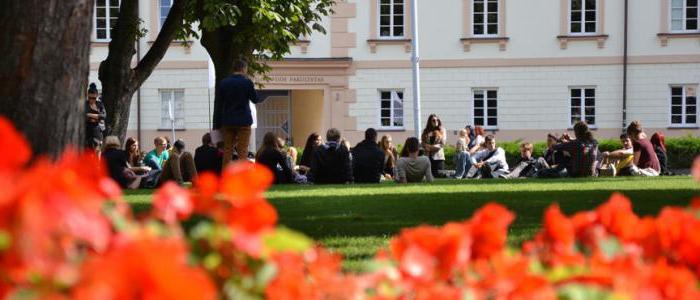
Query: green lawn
<point>356,220</point>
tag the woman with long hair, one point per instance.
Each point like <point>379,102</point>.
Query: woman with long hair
<point>645,159</point>
<point>95,115</point>
<point>390,156</point>
<point>274,158</point>
<point>433,139</point>
<point>583,152</point>
<point>133,152</point>
<point>314,140</point>
<point>659,141</point>
<point>477,143</point>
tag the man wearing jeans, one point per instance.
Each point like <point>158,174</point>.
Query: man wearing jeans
<point>232,114</point>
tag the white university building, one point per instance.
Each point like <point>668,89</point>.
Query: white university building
<point>520,68</point>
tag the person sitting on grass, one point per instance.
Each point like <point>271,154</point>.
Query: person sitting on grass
<point>118,167</point>
<point>645,160</point>
<point>659,142</point>
<point>180,166</point>
<point>490,162</point>
<point>621,160</point>
<point>462,156</point>
<point>583,152</point>
<point>312,142</point>
<point>527,166</point>
<point>331,161</point>
<point>157,157</point>
<point>368,159</point>
<point>390,156</point>
<point>556,160</point>
<point>206,157</point>
<point>274,158</point>
<point>411,167</point>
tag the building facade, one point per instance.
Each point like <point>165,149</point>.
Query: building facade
<point>519,68</point>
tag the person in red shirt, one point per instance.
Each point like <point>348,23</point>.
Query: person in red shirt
<point>645,160</point>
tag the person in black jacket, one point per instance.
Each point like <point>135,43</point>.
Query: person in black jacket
<point>331,161</point>
<point>368,159</point>
<point>206,157</point>
<point>271,156</point>
<point>232,114</point>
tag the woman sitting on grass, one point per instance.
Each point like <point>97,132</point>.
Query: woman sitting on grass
<point>411,167</point>
<point>390,156</point>
<point>645,160</point>
<point>274,158</point>
<point>583,152</point>
<point>659,142</point>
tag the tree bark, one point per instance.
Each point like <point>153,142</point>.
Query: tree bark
<point>119,80</point>
<point>44,66</point>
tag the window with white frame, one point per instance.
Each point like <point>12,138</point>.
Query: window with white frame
<point>164,9</point>
<point>391,109</point>
<point>684,15</point>
<point>106,15</point>
<point>391,18</point>
<point>172,105</point>
<point>582,105</point>
<point>486,108</point>
<point>485,17</point>
<point>582,17</point>
<point>684,108</point>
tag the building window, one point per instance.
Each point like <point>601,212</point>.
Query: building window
<point>391,18</point>
<point>165,6</point>
<point>106,15</point>
<point>582,105</point>
<point>486,108</point>
<point>172,103</point>
<point>391,109</point>
<point>582,17</point>
<point>684,15</point>
<point>485,17</point>
<point>684,106</point>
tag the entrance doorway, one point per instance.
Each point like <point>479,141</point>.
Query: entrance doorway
<point>273,115</point>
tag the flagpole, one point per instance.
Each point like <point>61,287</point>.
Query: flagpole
<point>172,117</point>
<point>415,59</point>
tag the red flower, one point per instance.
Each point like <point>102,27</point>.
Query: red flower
<point>618,218</point>
<point>242,182</point>
<point>143,268</point>
<point>206,187</point>
<point>489,228</point>
<point>172,203</point>
<point>558,228</point>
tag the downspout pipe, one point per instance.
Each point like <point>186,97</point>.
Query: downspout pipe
<point>138,91</point>
<point>624,69</point>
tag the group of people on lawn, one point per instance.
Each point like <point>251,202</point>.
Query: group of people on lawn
<point>370,161</point>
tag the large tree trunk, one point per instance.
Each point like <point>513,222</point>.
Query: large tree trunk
<point>44,65</point>
<point>119,80</point>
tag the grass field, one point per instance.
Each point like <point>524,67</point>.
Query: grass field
<point>356,220</point>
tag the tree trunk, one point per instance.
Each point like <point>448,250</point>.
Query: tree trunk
<point>119,80</point>
<point>44,66</point>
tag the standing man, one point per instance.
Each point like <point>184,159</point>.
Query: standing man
<point>232,114</point>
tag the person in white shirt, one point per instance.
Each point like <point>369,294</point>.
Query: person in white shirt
<point>411,167</point>
<point>490,161</point>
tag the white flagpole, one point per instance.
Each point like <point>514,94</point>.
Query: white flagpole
<point>416,68</point>
<point>211,85</point>
<point>172,117</point>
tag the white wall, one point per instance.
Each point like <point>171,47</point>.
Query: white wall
<point>529,97</point>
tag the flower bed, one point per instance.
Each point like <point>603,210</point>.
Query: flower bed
<point>66,232</point>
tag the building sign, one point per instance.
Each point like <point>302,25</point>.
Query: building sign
<point>297,79</point>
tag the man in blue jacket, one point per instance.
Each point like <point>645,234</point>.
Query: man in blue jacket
<point>232,114</point>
